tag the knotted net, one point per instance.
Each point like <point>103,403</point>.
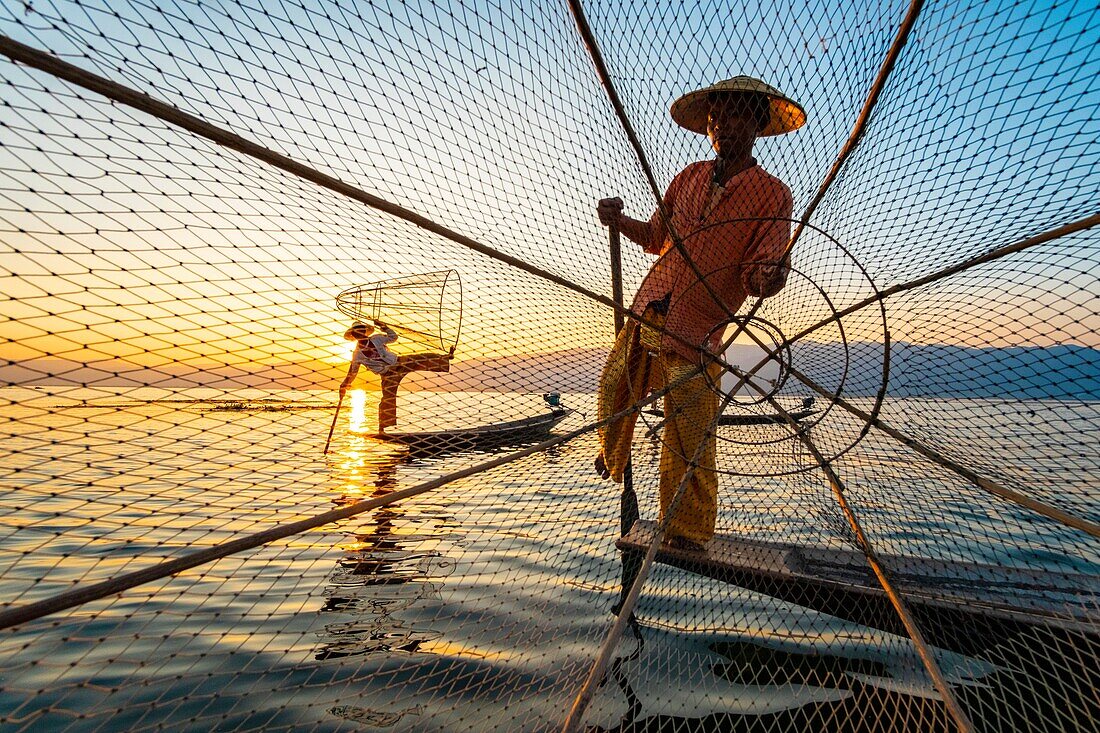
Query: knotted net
<point>186,190</point>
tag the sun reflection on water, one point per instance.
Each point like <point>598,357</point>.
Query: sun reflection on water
<point>357,419</point>
<point>355,455</point>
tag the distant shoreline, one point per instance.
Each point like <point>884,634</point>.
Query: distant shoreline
<point>1062,372</point>
<point>227,394</point>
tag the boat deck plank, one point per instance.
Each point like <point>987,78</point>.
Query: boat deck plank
<point>840,582</point>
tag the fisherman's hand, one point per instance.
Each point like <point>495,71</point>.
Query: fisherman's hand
<point>610,211</point>
<point>773,278</point>
<point>601,467</point>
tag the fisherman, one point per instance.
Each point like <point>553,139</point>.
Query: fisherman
<point>373,352</point>
<point>733,220</point>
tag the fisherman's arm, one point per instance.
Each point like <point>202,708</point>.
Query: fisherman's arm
<point>390,334</point>
<point>764,274</point>
<point>353,368</point>
<point>651,235</point>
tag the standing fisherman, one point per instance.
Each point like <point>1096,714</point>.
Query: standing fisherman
<point>373,352</point>
<point>733,219</point>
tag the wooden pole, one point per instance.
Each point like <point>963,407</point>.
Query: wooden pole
<point>334,418</point>
<point>17,615</point>
<point>616,275</point>
<point>625,608</point>
<point>628,501</point>
<point>629,507</point>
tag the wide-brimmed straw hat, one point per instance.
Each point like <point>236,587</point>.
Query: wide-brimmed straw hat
<point>692,109</point>
<point>357,326</point>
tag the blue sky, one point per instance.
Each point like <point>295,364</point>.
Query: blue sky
<point>489,119</point>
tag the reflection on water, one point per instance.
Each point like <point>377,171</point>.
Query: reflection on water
<point>384,568</point>
<point>357,418</point>
<point>395,574</point>
<point>476,606</point>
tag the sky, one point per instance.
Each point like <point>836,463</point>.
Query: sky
<point>125,238</point>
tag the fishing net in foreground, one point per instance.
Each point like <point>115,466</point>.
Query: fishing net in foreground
<point>311,335</point>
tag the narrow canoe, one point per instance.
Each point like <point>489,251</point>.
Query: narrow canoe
<point>771,419</point>
<point>481,437</point>
<point>963,606</point>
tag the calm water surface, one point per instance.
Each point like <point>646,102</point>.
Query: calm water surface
<point>478,605</point>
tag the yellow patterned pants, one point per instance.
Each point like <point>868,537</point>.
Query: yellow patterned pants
<point>635,368</point>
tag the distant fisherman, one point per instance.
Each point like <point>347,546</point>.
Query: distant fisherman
<point>733,219</point>
<point>373,352</point>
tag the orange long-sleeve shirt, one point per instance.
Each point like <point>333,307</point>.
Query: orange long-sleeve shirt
<point>731,234</point>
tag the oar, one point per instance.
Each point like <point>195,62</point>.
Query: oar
<point>334,417</point>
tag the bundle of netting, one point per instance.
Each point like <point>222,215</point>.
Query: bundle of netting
<point>570,366</point>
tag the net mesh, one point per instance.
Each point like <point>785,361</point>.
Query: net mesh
<point>906,516</point>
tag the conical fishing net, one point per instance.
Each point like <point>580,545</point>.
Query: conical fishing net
<point>425,309</point>
<point>227,507</point>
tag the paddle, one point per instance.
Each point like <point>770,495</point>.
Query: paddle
<point>334,417</point>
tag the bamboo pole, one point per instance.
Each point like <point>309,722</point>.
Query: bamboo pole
<point>628,499</point>
<point>1052,512</point>
<point>896,598</point>
<point>333,426</point>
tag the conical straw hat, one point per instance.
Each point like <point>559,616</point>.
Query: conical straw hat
<point>351,334</point>
<point>692,109</point>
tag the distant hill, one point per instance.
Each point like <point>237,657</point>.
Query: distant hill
<point>1024,372</point>
<point>916,370</point>
<point>938,370</point>
<point>178,375</point>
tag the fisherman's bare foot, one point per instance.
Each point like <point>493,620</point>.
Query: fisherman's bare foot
<point>601,467</point>
<point>683,544</point>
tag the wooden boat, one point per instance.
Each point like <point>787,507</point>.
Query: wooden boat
<point>770,419</point>
<point>524,430</point>
<point>957,605</point>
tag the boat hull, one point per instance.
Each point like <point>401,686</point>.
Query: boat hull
<point>483,437</point>
<point>961,606</point>
<point>773,419</point>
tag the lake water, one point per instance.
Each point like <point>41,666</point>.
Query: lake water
<point>476,606</point>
